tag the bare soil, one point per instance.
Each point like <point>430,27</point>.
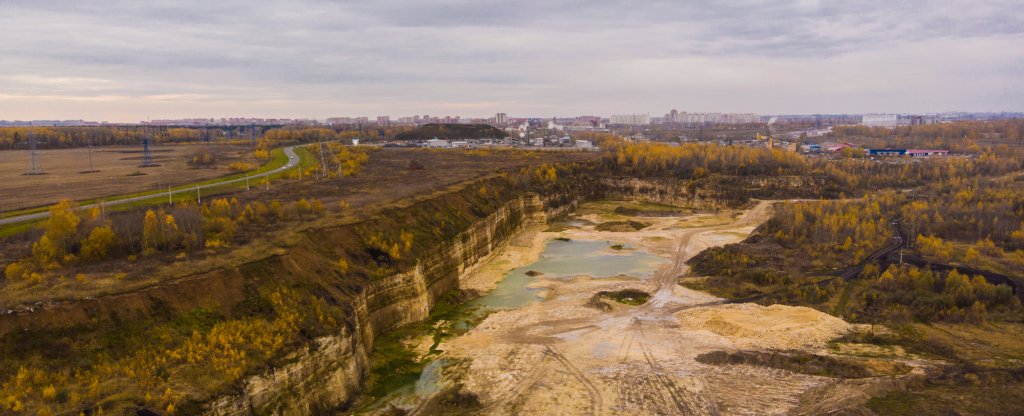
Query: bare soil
<point>564,356</point>
<point>66,172</point>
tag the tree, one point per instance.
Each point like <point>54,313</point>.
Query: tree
<point>62,225</point>
<point>97,245</point>
<point>150,232</point>
<point>46,253</point>
<point>159,232</point>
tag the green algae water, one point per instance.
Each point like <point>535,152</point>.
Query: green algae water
<point>564,259</point>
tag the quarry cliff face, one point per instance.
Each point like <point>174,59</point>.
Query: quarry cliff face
<point>328,375</point>
<point>712,192</point>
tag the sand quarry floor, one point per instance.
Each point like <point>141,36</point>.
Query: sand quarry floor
<point>560,356</point>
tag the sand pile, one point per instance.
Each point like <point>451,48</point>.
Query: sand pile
<point>751,325</point>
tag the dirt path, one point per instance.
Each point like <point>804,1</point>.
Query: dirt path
<point>559,356</point>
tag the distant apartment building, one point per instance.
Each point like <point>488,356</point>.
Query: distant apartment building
<point>631,119</point>
<point>898,120</point>
<point>348,120</point>
<point>501,119</point>
<point>677,117</point>
<point>383,120</point>
<point>881,120</point>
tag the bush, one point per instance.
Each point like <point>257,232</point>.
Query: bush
<point>202,157</point>
<point>241,167</point>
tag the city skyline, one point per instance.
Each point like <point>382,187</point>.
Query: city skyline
<point>121,62</point>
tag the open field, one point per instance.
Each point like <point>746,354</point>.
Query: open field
<point>118,172</point>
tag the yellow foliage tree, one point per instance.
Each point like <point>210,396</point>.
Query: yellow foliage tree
<point>45,252</point>
<point>97,245</point>
<point>62,225</point>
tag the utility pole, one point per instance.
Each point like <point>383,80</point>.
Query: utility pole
<point>199,197</point>
<point>170,200</point>
<point>247,182</point>
<point>323,163</point>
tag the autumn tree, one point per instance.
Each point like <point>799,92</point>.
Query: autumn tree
<point>98,244</point>
<point>62,225</point>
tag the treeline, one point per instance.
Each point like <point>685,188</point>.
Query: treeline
<point>852,176</point>
<point>697,160</point>
<point>70,137</point>
<point>308,135</point>
<point>12,138</point>
<point>964,136</point>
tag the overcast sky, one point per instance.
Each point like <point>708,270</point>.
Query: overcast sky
<point>120,60</point>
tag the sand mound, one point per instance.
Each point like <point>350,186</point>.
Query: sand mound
<point>750,325</point>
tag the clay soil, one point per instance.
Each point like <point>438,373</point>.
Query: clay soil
<point>118,172</point>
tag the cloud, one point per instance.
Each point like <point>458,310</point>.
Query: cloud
<point>300,58</point>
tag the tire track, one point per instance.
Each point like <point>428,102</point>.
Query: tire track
<point>596,402</point>
<point>666,383</point>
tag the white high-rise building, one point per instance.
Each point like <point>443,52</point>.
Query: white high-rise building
<point>881,120</point>
<point>631,119</point>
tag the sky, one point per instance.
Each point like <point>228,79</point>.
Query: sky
<point>126,61</point>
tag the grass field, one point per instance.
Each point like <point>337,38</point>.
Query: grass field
<point>118,174</point>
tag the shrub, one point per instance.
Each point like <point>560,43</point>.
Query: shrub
<point>241,167</point>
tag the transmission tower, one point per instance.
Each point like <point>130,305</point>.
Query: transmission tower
<point>252,134</point>
<point>147,155</point>
<point>91,168</point>
<point>34,168</point>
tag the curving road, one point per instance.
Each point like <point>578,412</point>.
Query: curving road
<point>289,151</point>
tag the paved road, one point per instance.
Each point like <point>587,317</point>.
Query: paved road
<point>293,160</point>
